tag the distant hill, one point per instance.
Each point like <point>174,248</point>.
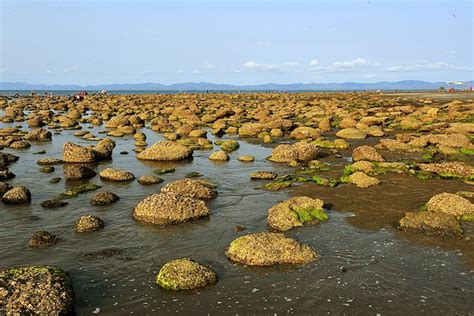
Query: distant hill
<point>203,86</point>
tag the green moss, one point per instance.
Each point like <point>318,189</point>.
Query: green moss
<point>423,175</point>
<point>163,171</point>
<point>308,214</point>
<point>466,151</point>
<point>344,179</point>
<point>468,218</point>
<point>277,185</point>
<point>318,166</point>
<point>230,145</point>
<point>86,187</point>
<point>423,208</point>
<point>347,170</point>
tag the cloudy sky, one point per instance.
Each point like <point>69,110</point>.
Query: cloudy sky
<point>235,41</point>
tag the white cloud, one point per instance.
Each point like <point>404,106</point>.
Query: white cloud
<point>339,66</point>
<point>71,69</point>
<point>251,65</point>
<point>263,44</point>
<point>358,62</point>
<point>439,65</point>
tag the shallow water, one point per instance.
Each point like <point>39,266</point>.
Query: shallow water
<point>365,265</point>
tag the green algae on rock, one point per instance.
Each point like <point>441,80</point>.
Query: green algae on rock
<point>296,212</point>
<point>185,274</point>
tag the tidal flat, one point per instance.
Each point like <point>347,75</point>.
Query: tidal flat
<point>251,203</point>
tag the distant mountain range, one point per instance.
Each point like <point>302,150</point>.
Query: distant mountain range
<point>203,86</point>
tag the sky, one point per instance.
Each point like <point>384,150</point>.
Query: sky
<point>235,42</point>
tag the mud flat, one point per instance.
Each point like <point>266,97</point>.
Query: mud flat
<point>117,199</point>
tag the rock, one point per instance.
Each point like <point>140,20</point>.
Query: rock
<point>165,151</point>
<point>4,188</point>
<point>88,223</point>
<point>296,212</point>
<point>453,169</point>
<point>449,203</point>
<point>219,156</point>
<point>47,169</point>
<point>6,174</point>
<point>431,223</point>
<point>246,158</point>
<point>164,171</point>
<point>363,166</point>
<point>38,134</point>
<point>304,132</point>
<point>42,239</point>
<point>249,129</point>
<point>265,249</point>
<point>112,174</point>
<point>104,149</point>
<point>367,153</point>
<point>230,145</point>
<point>76,153</point>
<point>300,152</point>
<point>49,161</point>
<point>185,274</point>
<point>36,290</point>
<point>169,208</point>
<point>362,180</point>
<point>78,172</point>
<point>20,145</point>
<point>193,188</point>
<point>17,195</point>
<point>263,175</point>
<point>149,180</point>
<point>55,180</point>
<point>351,133</point>
<point>54,203</point>
<point>117,121</point>
<point>104,198</point>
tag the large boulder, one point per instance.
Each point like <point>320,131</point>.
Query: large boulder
<point>452,204</point>
<point>104,198</point>
<point>367,153</point>
<point>301,152</point>
<point>196,189</point>
<point>362,180</point>
<point>431,223</point>
<point>17,195</point>
<point>169,208</point>
<point>78,172</point>
<point>77,153</point>
<point>185,274</point>
<point>112,174</point>
<point>251,129</point>
<point>305,132</point>
<point>449,169</point>
<point>42,239</point>
<point>351,133</point>
<point>36,290</point>
<point>219,155</point>
<point>265,249</point>
<point>165,151</point>
<point>88,223</point>
<point>38,134</point>
<point>104,149</point>
<point>296,212</point>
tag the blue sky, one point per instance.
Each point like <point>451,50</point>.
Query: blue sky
<point>238,42</point>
